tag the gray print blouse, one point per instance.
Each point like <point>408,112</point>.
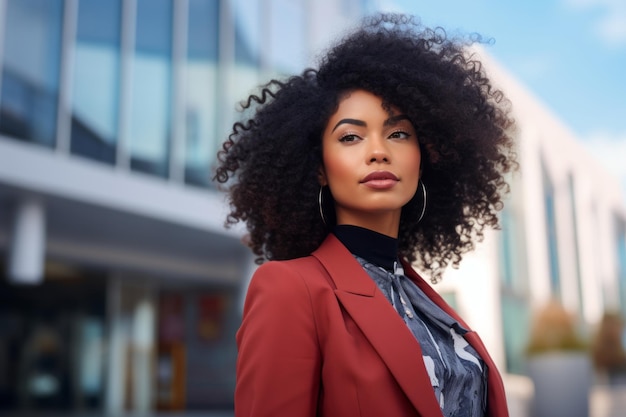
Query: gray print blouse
<point>457,373</point>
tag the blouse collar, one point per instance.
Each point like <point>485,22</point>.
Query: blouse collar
<point>374,247</point>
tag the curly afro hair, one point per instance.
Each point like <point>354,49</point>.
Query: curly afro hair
<point>271,161</point>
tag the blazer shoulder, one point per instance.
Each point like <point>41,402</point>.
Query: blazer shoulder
<point>307,270</point>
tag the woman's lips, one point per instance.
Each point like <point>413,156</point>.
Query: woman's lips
<point>380,180</point>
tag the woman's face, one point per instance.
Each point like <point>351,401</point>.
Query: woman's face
<point>371,162</point>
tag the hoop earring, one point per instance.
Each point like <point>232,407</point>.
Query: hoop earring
<point>320,203</point>
<point>424,198</point>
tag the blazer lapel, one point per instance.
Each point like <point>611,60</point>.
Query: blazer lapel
<point>497,406</point>
<point>380,323</point>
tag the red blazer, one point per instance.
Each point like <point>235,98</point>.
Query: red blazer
<point>318,338</point>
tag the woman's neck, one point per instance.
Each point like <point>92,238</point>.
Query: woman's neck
<point>387,223</point>
<point>374,247</point>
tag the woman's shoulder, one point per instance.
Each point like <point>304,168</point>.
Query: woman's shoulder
<point>306,268</point>
<point>306,272</point>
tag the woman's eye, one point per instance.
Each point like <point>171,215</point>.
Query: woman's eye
<point>348,138</point>
<point>399,135</point>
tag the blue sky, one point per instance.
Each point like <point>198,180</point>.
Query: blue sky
<point>570,53</point>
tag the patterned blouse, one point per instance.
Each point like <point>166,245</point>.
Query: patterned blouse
<point>457,373</point>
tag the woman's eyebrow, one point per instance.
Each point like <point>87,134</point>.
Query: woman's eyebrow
<point>349,121</point>
<point>395,119</point>
<point>389,122</point>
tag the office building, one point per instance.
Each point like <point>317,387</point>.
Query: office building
<point>120,287</point>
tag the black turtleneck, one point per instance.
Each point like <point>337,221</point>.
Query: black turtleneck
<point>374,247</point>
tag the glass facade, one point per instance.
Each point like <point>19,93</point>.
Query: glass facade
<point>621,260</point>
<point>576,261</point>
<point>551,238</point>
<point>31,63</point>
<point>147,87</point>
<point>151,88</point>
<point>286,39</point>
<point>142,92</point>
<point>52,344</point>
<point>514,289</point>
<point>516,327</point>
<point>96,80</point>
<point>247,15</point>
<point>201,90</point>
<point>507,249</point>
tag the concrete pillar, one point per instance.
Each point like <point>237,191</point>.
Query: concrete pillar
<point>27,246</point>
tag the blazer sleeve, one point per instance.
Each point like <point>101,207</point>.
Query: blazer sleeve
<point>279,360</point>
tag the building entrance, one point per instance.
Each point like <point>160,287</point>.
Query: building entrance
<point>52,344</point>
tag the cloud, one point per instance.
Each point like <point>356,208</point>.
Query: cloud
<point>610,24</point>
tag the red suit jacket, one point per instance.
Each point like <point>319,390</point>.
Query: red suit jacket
<point>318,338</point>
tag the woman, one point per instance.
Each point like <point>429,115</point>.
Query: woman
<point>391,153</point>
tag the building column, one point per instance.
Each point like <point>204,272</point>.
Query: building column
<point>27,246</point>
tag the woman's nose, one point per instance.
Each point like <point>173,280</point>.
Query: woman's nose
<point>378,152</point>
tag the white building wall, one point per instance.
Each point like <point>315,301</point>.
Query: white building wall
<point>531,186</point>
<point>476,290</point>
<point>545,143</point>
<point>587,231</point>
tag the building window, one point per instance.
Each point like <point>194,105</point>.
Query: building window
<point>201,90</point>
<point>574,213</point>
<point>287,46</point>
<point>247,15</point>
<point>96,80</point>
<point>621,259</point>
<point>247,18</point>
<point>513,280</point>
<point>516,325</point>
<point>30,70</point>
<point>550,213</point>
<point>151,85</point>
<point>507,249</point>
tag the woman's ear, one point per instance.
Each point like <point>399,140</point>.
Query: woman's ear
<point>321,177</point>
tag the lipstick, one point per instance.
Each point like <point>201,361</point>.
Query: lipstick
<point>380,180</point>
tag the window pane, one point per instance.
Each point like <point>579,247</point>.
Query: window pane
<point>30,71</point>
<point>553,253</point>
<point>96,80</point>
<point>201,78</point>
<point>287,39</point>
<point>247,18</point>
<point>151,88</point>
<point>515,327</point>
<point>248,35</point>
<point>576,260</point>
<point>621,260</point>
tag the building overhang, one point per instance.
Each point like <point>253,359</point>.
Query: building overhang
<point>103,216</point>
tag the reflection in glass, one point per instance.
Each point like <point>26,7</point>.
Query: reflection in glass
<point>96,80</point>
<point>550,213</point>
<point>245,75</point>
<point>513,290</point>
<point>247,18</point>
<point>621,260</point>
<point>201,88</point>
<point>30,71</point>
<point>515,328</point>
<point>150,124</point>
<point>287,39</point>
<point>571,188</point>
<point>510,251</point>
